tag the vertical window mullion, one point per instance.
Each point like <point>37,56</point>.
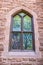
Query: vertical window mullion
<point>21,32</point>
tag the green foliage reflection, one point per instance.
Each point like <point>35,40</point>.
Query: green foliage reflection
<point>27,23</point>
<point>27,41</point>
<point>17,23</point>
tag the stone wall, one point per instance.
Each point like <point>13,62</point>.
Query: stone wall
<point>7,8</point>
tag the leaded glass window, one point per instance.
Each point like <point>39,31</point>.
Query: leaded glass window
<point>22,32</point>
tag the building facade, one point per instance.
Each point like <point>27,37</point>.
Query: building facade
<point>9,9</point>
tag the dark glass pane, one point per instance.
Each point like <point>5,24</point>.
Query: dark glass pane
<point>27,41</point>
<point>16,23</point>
<point>22,14</point>
<point>27,23</point>
<point>16,41</point>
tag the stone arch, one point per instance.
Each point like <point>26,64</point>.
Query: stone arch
<point>8,17</point>
<point>18,9</point>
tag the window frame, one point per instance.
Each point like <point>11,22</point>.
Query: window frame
<point>33,35</point>
<point>8,31</point>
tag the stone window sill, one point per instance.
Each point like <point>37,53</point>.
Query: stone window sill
<point>22,54</point>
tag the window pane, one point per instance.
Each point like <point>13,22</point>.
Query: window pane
<point>16,23</point>
<point>27,24</point>
<point>27,41</point>
<point>22,14</point>
<point>16,41</point>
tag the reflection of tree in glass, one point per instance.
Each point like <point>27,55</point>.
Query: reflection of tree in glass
<point>25,41</point>
<point>27,26</point>
<point>26,30</point>
<point>28,41</point>
<point>17,23</point>
<point>16,42</point>
<point>27,23</point>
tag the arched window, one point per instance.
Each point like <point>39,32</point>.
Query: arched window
<point>22,37</point>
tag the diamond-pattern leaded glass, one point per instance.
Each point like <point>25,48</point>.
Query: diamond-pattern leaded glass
<point>27,24</point>
<point>27,41</point>
<point>22,33</point>
<point>16,41</point>
<point>16,23</point>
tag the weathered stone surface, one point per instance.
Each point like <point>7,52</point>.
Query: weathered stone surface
<point>1,47</point>
<point>7,6</point>
<point>41,48</point>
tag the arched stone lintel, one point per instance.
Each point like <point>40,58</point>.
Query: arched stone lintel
<point>21,8</point>
<point>8,23</point>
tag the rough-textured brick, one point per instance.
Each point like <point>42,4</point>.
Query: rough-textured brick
<point>1,47</point>
<point>7,6</point>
